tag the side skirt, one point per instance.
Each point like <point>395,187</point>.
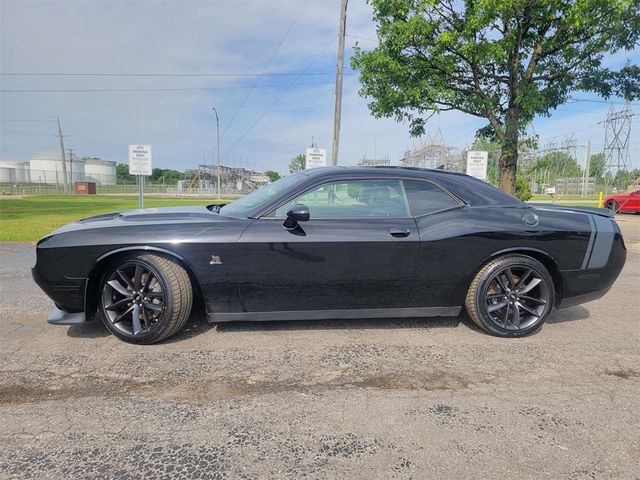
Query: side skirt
<point>413,312</point>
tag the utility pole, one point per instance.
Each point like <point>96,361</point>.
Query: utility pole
<point>64,160</point>
<point>70,150</point>
<point>218,148</point>
<point>339,75</point>
<point>587,167</point>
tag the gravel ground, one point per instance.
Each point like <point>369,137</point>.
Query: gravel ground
<point>425,398</point>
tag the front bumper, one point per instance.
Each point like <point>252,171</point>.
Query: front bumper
<point>62,317</point>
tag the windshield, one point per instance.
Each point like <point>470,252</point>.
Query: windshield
<point>245,205</point>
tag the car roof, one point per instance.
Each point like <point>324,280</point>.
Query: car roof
<point>471,190</point>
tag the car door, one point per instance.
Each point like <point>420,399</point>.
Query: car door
<point>358,250</point>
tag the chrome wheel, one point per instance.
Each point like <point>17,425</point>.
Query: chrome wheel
<point>133,298</point>
<point>516,297</point>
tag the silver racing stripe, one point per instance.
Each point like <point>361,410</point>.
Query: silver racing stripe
<point>602,242</point>
<point>587,254</point>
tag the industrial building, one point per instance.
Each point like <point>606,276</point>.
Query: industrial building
<point>48,170</point>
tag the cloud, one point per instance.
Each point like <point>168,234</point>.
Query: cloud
<point>216,36</point>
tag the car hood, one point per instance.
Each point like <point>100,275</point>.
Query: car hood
<point>144,216</point>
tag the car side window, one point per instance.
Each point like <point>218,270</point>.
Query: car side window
<point>425,198</point>
<point>352,198</point>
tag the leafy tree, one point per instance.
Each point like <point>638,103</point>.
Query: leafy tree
<point>596,166</point>
<point>297,163</point>
<point>523,191</point>
<point>165,175</point>
<point>273,175</point>
<point>122,174</point>
<point>558,164</point>
<point>505,61</point>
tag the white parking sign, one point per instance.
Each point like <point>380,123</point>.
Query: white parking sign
<point>140,160</point>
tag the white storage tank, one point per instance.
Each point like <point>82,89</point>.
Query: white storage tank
<point>77,172</point>
<point>103,172</point>
<point>12,171</point>
<point>46,170</point>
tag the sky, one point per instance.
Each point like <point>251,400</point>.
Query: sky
<point>193,55</point>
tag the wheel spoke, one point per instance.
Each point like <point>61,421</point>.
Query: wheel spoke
<point>501,283</point>
<point>497,306</point>
<point>154,294</point>
<point>506,315</point>
<point>120,289</point>
<point>136,319</point>
<point>145,317</point>
<point>118,304</point>
<point>137,277</point>
<point>156,307</point>
<point>524,278</point>
<point>125,278</point>
<point>147,282</point>
<point>121,316</point>
<point>515,321</point>
<point>512,280</point>
<point>540,301</point>
<point>532,284</point>
<point>529,310</point>
<point>492,296</point>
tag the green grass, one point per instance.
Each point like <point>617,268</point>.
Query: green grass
<point>28,219</point>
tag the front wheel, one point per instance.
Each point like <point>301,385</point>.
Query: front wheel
<point>145,298</point>
<point>613,206</point>
<point>511,296</point>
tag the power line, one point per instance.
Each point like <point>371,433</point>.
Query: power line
<point>324,48</point>
<point>136,90</point>
<point>266,65</point>
<point>216,74</point>
<point>29,133</point>
<point>25,120</point>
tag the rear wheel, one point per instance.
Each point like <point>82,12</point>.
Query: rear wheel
<point>145,298</point>
<point>511,296</point>
<point>612,205</point>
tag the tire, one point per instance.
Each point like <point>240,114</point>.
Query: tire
<point>155,287</point>
<point>613,206</point>
<point>500,309</point>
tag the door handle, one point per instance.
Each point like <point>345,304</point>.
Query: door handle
<point>399,232</point>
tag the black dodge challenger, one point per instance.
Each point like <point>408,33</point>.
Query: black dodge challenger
<point>333,243</point>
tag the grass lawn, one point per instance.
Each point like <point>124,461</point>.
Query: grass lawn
<point>28,219</point>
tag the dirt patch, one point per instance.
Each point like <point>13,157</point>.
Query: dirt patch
<point>624,373</point>
<point>65,387</point>
<point>438,380</point>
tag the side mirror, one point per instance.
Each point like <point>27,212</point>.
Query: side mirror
<point>298,213</point>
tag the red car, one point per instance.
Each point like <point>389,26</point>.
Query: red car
<point>624,203</point>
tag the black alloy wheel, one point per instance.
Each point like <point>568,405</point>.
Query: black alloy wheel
<point>511,296</point>
<point>145,298</point>
<point>516,297</point>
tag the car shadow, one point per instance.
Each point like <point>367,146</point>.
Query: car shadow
<point>198,324</point>
<point>346,324</point>
<point>570,314</point>
<point>92,329</point>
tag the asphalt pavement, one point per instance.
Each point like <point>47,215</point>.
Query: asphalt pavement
<point>421,398</point>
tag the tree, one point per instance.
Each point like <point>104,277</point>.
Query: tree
<point>122,174</point>
<point>505,61</point>
<point>297,163</point>
<point>273,175</point>
<point>596,166</point>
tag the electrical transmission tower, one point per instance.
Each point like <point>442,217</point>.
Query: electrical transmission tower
<point>617,131</point>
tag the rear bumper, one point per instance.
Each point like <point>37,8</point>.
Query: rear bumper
<point>62,317</point>
<point>588,284</point>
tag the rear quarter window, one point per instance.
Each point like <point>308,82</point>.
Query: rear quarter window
<point>425,198</point>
